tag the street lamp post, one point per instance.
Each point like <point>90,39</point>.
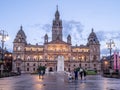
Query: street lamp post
<point>110,45</point>
<point>3,37</point>
<point>80,61</point>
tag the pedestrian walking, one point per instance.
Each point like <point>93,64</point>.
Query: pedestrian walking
<point>39,74</point>
<point>70,76</point>
<point>81,73</point>
<point>42,74</point>
<point>84,74</point>
<point>76,74</point>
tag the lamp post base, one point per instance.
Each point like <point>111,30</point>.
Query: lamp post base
<point>1,68</point>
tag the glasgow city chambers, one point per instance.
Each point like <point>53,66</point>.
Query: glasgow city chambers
<point>27,57</point>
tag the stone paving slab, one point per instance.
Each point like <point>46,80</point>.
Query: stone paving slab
<point>55,81</point>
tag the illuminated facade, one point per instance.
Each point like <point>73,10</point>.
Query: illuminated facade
<point>28,57</point>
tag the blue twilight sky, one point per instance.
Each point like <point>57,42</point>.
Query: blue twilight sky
<point>78,16</point>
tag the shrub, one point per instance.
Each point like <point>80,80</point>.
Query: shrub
<point>91,72</point>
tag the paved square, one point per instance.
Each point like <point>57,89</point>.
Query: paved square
<point>55,81</point>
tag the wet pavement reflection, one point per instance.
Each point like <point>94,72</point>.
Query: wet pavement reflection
<point>55,81</point>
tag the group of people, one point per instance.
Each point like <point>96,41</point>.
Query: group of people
<point>76,74</point>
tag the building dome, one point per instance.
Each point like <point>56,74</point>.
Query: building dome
<point>92,39</point>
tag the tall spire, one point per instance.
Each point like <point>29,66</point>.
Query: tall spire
<point>92,30</point>
<point>57,26</point>
<point>57,13</point>
<point>57,7</point>
<point>21,27</point>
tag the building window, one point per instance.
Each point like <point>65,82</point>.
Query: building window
<point>85,64</point>
<point>73,58</point>
<point>27,69</point>
<point>33,69</point>
<point>94,65</point>
<point>27,64</point>
<point>94,58</point>
<point>18,56</point>
<point>19,40</point>
<point>85,58</point>
<point>34,64</point>
<point>19,48</point>
<point>28,58</point>
<point>79,65</point>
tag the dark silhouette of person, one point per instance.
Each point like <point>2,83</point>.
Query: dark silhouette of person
<point>81,75</point>
<point>42,74</point>
<point>39,74</point>
<point>76,74</point>
<point>84,73</point>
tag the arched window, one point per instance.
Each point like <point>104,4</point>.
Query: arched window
<point>34,58</point>
<point>94,58</point>
<point>34,64</point>
<point>40,57</point>
<point>28,58</point>
<point>18,57</point>
<point>19,48</point>
<point>19,40</point>
<point>73,58</point>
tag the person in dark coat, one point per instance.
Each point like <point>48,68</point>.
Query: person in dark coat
<point>84,74</point>
<point>39,74</point>
<point>81,74</point>
<point>76,74</point>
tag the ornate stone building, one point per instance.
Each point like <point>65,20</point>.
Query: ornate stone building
<point>28,57</point>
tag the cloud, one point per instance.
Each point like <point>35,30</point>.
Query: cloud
<point>35,34</point>
<point>101,35</point>
<point>108,35</point>
<point>47,27</point>
<point>104,37</point>
<point>75,29</point>
<point>104,52</point>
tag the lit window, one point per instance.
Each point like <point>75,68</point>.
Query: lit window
<point>19,48</point>
<point>19,40</point>
<point>18,57</point>
<point>28,58</point>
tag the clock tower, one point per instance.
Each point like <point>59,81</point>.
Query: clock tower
<point>57,27</point>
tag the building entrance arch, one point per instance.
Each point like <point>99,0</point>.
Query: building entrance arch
<point>51,69</point>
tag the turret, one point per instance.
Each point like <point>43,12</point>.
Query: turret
<point>69,39</point>
<point>92,39</point>
<point>19,44</point>
<point>94,46</point>
<point>20,37</point>
<point>46,38</point>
